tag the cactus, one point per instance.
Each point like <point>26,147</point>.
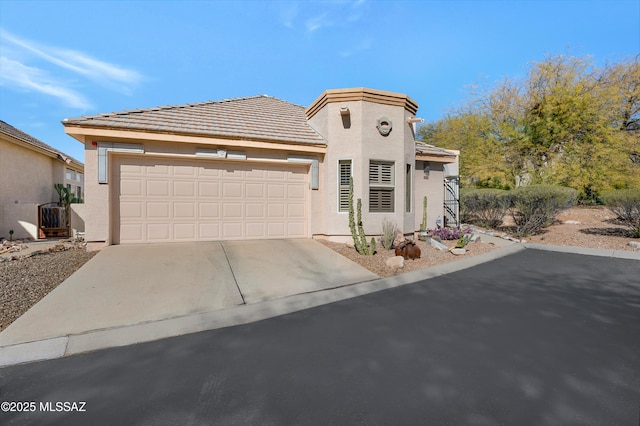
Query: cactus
<point>373,246</point>
<point>359,237</point>
<point>423,227</point>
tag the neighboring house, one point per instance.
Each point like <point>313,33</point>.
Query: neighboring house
<point>29,168</point>
<point>259,167</point>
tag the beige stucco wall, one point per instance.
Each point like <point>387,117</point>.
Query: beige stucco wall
<point>433,189</point>
<point>361,142</point>
<point>26,180</point>
<point>77,217</point>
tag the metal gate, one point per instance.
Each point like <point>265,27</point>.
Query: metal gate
<point>452,201</point>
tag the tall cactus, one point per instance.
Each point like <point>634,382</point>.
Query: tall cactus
<point>359,237</point>
<point>424,214</point>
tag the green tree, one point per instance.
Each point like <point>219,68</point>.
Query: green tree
<point>566,123</point>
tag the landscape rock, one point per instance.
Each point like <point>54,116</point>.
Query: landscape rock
<point>634,244</point>
<point>398,238</point>
<point>396,262</point>
<point>437,244</point>
<point>458,251</point>
<point>571,222</point>
<point>475,238</point>
<point>350,244</point>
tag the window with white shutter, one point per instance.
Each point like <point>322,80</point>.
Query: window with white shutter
<point>344,173</point>
<point>381,186</point>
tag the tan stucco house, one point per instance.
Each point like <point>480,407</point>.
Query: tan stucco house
<point>260,167</point>
<point>29,168</point>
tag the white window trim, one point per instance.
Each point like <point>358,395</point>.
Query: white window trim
<point>338,182</point>
<point>383,185</point>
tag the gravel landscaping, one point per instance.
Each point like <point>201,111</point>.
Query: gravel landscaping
<point>26,280</point>
<point>430,256</point>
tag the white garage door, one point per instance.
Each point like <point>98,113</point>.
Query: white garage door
<point>161,200</point>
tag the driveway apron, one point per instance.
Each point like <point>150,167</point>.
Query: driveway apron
<point>134,284</point>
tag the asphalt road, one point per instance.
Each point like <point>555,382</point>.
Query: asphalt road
<point>535,338</point>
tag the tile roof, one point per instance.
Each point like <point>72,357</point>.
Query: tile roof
<point>259,117</point>
<point>9,130</point>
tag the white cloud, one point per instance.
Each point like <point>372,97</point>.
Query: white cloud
<point>78,63</point>
<point>361,46</point>
<point>317,22</point>
<point>288,14</point>
<point>33,79</point>
<point>318,15</point>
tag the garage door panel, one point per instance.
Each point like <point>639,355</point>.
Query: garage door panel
<point>157,169</point>
<point>255,230</point>
<point>231,210</point>
<point>295,211</point>
<point>184,231</point>
<point>158,188</point>
<point>254,211</point>
<point>131,210</point>
<point>184,171</point>
<point>255,174</point>
<point>276,174</point>
<point>158,232</point>
<point>184,211</point>
<point>163,200</point>
<point>296,229</point>
<point>184,189</point>
<point>276,229</point>
<point>132,169</point>
<point>275,190</point>
<point>293,176</point>
<point>131,187</point>
<point>132,232</point>
<point>231,230</point>
<point>254,190</point>
<point>232,189</point>
<point>276,210</point>
<point>209,210</point>
<point>296,192</point>
<point>158,210</point>
<point>209,189</point>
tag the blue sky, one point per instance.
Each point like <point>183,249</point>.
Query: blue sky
<point>71,58</point>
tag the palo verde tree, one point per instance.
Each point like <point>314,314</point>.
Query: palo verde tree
<point>567,123</point>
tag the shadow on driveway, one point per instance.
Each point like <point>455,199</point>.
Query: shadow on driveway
<point>534,338</point>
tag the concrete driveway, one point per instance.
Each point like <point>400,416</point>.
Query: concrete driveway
<point>534,338</point>
<point>127,285</point>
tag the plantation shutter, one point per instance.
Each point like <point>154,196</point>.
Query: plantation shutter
<point>381,187</point>
<point>344,173</point>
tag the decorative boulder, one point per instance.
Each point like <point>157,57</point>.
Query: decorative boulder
<point>437,244</point>
<point>458,251</point>
<point>398,238</point>
<point>396,262</point>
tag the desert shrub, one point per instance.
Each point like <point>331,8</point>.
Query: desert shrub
<point>447,233</point>
<point>388,233</point>
<point>536,206</point>
<point>625,203</point>
<point>484,207</point>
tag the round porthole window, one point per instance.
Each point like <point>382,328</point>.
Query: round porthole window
<point>384,126</point>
